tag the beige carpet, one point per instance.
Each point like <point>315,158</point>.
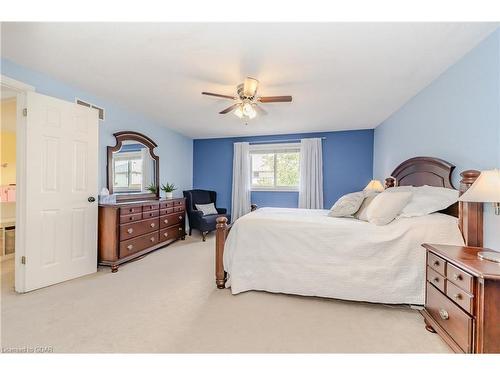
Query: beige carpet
<point>167,302</point>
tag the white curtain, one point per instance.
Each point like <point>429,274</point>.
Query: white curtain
<point>241,180</point>
<point>311,173</point>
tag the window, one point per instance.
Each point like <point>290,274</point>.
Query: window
<point>127,172</point>
<point>275,166</point>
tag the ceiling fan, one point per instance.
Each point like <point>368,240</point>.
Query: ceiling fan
<point>246,105</point>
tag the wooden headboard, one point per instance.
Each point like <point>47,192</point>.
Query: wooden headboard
<point>430,171</point>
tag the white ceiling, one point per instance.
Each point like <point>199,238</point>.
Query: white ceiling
<point>341,75</point>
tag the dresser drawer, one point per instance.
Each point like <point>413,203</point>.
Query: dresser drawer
<point>449,316</point>
<point>167,204</point>
<point>166,221</point>
<point>460,278</point>
<point>179,208</point>
<point>179,202</point>
<point>150,214</point>
<point>150,206</point>
<point>436,279</point>
<point>436,263</point>
<point>129,218</point>
<point>128,210</point>
<point>137,244</point>
<point>461,298</point>
<point>166,211</point>
<point>171,233</point>
<point>131,230</point>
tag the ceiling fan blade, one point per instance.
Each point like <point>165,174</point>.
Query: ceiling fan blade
<point>218,95</point>
<point>250,87</point>
<point>228,109</point>
<point>260,110</point>
<point>275,99</point>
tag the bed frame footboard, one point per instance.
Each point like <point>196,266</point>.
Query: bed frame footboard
<point>221,231</point>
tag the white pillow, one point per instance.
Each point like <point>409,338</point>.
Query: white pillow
<point>207,209</point>
<point>361,213</point>
<point>347,205</point>
<point>385,207</point>
<point>428,199</point>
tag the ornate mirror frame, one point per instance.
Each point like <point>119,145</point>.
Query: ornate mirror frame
<point>150,144</point>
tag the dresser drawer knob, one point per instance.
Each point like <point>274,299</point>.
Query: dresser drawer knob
<point>152,225</point>
<point>457,296</point>
<point>152,239</point>
<point>436,279</point>
<point>130,230</point>
<point>436,263</point>
<point>444,314</point>
<point>180,217</point>
<point>165,234</point>
<point>165,221</point>
<point>130,247</point>
<point>457,277</point>
<point>180,229</point>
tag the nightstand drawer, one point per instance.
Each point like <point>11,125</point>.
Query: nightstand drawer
<point>436,279</point>
<point>461,298</point>
<point>449,316</point>
<point>436,263</point>
<point>459,278</point>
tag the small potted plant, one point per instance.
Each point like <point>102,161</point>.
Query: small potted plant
<point>152,189</point>
<point>168,189</point>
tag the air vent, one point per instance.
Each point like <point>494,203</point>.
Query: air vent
<point>90,105</point>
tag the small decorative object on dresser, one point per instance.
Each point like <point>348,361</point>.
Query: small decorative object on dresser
<point>168,189</point>
<point>132,229</point>
<point>462,298</point>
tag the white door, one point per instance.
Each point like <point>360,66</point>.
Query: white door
<point>61,191</point>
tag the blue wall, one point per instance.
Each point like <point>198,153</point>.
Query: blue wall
<point>178,171</point>
<point>347,166</point>
<point>456,118</point>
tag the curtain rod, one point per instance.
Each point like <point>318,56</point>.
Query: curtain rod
<point>280,140</point>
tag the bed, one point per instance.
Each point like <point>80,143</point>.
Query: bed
<point>306,252</point>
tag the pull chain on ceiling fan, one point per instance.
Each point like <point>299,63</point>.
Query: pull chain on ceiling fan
<point>246,106</point>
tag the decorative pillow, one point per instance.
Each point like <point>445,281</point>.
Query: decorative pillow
<point>428,199</point>
<point>385,207</point>
<point>207,209</point>
<point>347,205</point>
<point>361,213</point>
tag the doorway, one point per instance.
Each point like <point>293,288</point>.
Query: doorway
<point>8,121</point>
<point>55,222</point>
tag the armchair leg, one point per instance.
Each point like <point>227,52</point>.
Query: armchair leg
<point>190,230</point>
<point>204,235</point>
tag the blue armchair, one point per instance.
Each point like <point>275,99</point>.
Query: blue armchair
<point>204,223</point>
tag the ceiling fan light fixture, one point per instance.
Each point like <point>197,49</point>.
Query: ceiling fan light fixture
<point>238,112</point>
<point>250,87</point>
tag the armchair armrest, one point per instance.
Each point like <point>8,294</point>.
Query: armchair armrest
<point>197,213</point>
<point>221,210</point>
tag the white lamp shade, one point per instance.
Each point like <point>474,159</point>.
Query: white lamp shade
<point>374,185</point>
<point>485,189</point>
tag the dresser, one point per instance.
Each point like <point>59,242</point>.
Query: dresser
<point>130,230</point>
<point>462,302</point>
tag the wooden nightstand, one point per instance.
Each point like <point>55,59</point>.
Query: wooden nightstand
<point>462,300</point>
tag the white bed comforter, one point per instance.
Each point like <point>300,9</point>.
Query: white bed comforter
<point>306,252</point>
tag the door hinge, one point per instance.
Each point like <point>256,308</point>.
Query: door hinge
<point>25,112</point>
<point>23,260</point>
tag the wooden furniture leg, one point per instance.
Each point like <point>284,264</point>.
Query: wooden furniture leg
<point>220,239</point>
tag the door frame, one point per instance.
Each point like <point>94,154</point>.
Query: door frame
<point>21,88</point>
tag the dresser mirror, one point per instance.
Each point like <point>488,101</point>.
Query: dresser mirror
<point>133,167</point>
